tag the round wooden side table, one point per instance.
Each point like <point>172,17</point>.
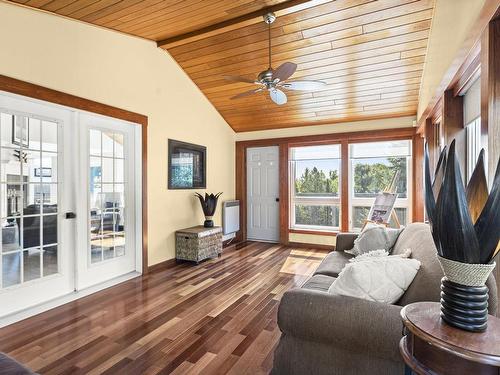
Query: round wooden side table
<point>430,346</point>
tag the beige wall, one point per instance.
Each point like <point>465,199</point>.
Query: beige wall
<point>390,123</point>
<point>132,74</point>
<point>451,22</point>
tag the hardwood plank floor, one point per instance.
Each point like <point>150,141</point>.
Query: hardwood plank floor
<point>215,318</point>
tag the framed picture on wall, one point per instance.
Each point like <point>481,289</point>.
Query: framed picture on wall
<point>187,165</point>
<point>20,131</point>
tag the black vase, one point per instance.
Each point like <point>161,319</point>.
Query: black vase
<point>209,223</point>
<point>464,307</point>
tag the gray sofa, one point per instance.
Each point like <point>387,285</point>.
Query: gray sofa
<point>327,334</point>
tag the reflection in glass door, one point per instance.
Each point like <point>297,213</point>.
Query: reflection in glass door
<point>35,249</point>
<point>108,250</point>
<point>107,195</point>
<point>28,182</point>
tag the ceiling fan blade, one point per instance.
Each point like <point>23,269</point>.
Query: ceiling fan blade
<point>278,96</point>
<point>284,71</point>
<point>247,93</point>
<point>303,85</point>
<point>239,79</point>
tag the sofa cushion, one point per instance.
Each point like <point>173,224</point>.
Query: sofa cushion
<point>333,263</point>
<point>376,276</point>
<point>374,237</point>
<point>320,283</point>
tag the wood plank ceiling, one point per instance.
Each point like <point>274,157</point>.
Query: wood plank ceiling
<point>369,52</point>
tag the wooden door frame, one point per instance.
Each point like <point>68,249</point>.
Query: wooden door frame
<point>31,90</point>
<point>338,138</point>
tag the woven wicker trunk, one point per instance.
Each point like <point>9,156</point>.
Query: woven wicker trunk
<point>198,243</point>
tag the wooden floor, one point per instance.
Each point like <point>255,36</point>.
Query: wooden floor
<point>215,318</point>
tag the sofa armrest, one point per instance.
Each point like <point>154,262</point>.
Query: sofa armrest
<point>349,323</point>
<point>345,241</point>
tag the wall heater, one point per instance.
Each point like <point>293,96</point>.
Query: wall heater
<point>230,217</point>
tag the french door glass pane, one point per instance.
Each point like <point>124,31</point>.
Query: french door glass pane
<point>106,195</point>
<point>29,200</point>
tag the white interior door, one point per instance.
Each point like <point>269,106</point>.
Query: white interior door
<point>36,190</point>
<point>107,245</point>
<point>263,193</point>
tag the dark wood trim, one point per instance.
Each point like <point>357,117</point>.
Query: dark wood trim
<point>340,138</point>
<point>453,125</point>
<point>468,72</point>
<point>313,232</point>
<point>304,245</point>
<point>284,214</point>
<point>418,178</point>
<point>463,56</point>
<point>241,189</point>
<point>31,90</point>
<point>225,25</point>
<point>490,103</point>
<point>318,139</point>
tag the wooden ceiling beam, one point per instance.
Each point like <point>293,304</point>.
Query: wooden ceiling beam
<point>234,23</point>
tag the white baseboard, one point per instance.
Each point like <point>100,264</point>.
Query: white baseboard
<point>37,309</point>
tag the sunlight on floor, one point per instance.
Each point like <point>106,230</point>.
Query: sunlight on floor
<point>302,262</point>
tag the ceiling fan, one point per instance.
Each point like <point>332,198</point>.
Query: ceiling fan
<point>273,80</point>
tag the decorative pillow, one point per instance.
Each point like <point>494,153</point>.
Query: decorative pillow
<point>375,237</point>
<point>376,276</point>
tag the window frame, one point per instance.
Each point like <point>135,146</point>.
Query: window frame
<point>312,201</point>
<point>367,202</point>
<point>406,203</point>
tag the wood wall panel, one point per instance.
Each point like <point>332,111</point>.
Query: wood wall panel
<point>370,53</point>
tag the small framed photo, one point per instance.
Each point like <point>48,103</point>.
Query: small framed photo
<point>43,172</point>
<point>20,131</point>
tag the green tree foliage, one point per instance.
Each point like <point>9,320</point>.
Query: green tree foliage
<point>369,179</point>
<point>314,181</point>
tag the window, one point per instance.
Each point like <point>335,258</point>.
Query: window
<point>372,167</point>
<point>315,187</point>
<point>472,121</point>
<point>473,138</point>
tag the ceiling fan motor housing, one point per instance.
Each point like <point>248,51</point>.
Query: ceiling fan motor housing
<point>266,78</point>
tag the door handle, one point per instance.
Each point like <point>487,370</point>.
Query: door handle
<point>70,215</point>
<point>277,199</point>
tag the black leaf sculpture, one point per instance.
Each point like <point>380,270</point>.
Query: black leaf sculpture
<point>465,222</point>
<point>208,205</point>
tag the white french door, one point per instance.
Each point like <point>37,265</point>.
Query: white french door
<point>263,193</point>
<point>36,189</point>
<point>106,241</point>
<point>68,185</point>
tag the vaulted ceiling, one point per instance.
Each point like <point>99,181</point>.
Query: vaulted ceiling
<point>369,52</point>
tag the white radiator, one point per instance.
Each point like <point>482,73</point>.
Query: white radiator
<point>230,217</point>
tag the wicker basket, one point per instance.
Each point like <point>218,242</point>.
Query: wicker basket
<point>468,274</point>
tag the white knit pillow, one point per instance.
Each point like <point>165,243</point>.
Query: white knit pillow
<point>376,276</point>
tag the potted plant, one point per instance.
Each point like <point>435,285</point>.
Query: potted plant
<point>208,205</point>
<point>465,225</point>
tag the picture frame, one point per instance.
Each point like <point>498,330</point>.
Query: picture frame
<point>43,172</point>
<point>187,165</point>
<point>20,131</point>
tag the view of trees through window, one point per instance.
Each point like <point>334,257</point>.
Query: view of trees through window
<point>316,198</point>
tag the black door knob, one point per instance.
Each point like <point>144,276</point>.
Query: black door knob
<point>70,215</point>
<point>277,199</point>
